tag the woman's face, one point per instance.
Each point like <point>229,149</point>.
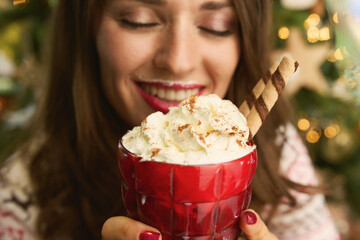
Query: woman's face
<point>155,53</point>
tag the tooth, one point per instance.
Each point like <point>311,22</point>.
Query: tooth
<point>180,95</point>
<point>194,91</point>
<point>153,90</point>
<point>161,93</point>
<point>188,93</point>
<point>170,95</point>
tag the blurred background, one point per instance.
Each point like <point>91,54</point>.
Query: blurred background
<point>323,35</point>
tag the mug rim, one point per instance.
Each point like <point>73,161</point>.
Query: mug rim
<point>141,160</point>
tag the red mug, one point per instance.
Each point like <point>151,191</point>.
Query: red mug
<point>193,202</point>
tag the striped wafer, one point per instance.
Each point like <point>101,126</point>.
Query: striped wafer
<point>257,90</point>
<point>270,94</point>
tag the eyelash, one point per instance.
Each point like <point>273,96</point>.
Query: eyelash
<point>136,25</point>
<point>216,33</point>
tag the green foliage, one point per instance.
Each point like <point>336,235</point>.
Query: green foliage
<point>289,18</point>
<point>33,19</point>
<point>23,29</point>
<point>340,154</point>
<point>330,71</point>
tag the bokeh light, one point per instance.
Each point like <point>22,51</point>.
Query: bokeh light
<point>312,21</point>
<point>336,18</point>
<point>332,130</point>
<point>313,136</point>
<point>283,33</point>
<point>338,55</point>
<point>324,34</point>
<point>313,34</point>
<point>303,124</point>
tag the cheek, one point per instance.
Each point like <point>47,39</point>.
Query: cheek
<point>120,55</point>
<point>222,63</point>
<point>121,51</point>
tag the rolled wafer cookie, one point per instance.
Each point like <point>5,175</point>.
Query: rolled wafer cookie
<point>257,90</point>
<point>270,94</point>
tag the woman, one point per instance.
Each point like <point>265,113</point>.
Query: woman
<point>111,64</point>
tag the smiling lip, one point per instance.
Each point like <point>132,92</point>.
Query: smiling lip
<point>161,95</point>
<point>173,85</point>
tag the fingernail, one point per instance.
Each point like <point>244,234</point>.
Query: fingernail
<point>148,235</point>
<point>250,218</point>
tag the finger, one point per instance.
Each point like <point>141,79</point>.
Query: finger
<point>253,227</point>
<point>124,228</point>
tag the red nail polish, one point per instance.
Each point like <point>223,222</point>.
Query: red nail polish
<point>148,235</point>
<point>250,218</point>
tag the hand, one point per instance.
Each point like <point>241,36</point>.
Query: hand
<point>124,228</point>
<point>253,227</point>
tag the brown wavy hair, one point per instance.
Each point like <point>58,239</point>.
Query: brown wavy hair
<point>73,150</point>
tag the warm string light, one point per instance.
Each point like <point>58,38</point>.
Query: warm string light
<point>336,18</point>
<point>313,133</point>
<point>303,124</point>
<point>312,21</point>
<point>284,33</point>
<point>332,130</point>
<point>337,54</point>
<point>324,34</point>
<point>314,33</point>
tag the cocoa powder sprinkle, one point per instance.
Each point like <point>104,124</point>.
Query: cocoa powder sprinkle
<point>201,137</point>
<point>191,103</point>
<point>155,151</point>
<point>182,127</point>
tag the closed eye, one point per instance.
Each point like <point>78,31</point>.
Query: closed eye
<point>216,33</point>
<point>134,25</point>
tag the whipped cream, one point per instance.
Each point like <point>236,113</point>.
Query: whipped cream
<point>201,130</point>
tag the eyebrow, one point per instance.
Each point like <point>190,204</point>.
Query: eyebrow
<point>214,5</point>
<point>152,2</point>
<point>211,5</point>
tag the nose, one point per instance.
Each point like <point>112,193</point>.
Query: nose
<point>177,52</point>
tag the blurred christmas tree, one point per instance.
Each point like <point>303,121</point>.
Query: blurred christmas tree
<point>23,27</point>
<point>324,38</point>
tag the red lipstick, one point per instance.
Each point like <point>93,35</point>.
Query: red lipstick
<point>161,105</point>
